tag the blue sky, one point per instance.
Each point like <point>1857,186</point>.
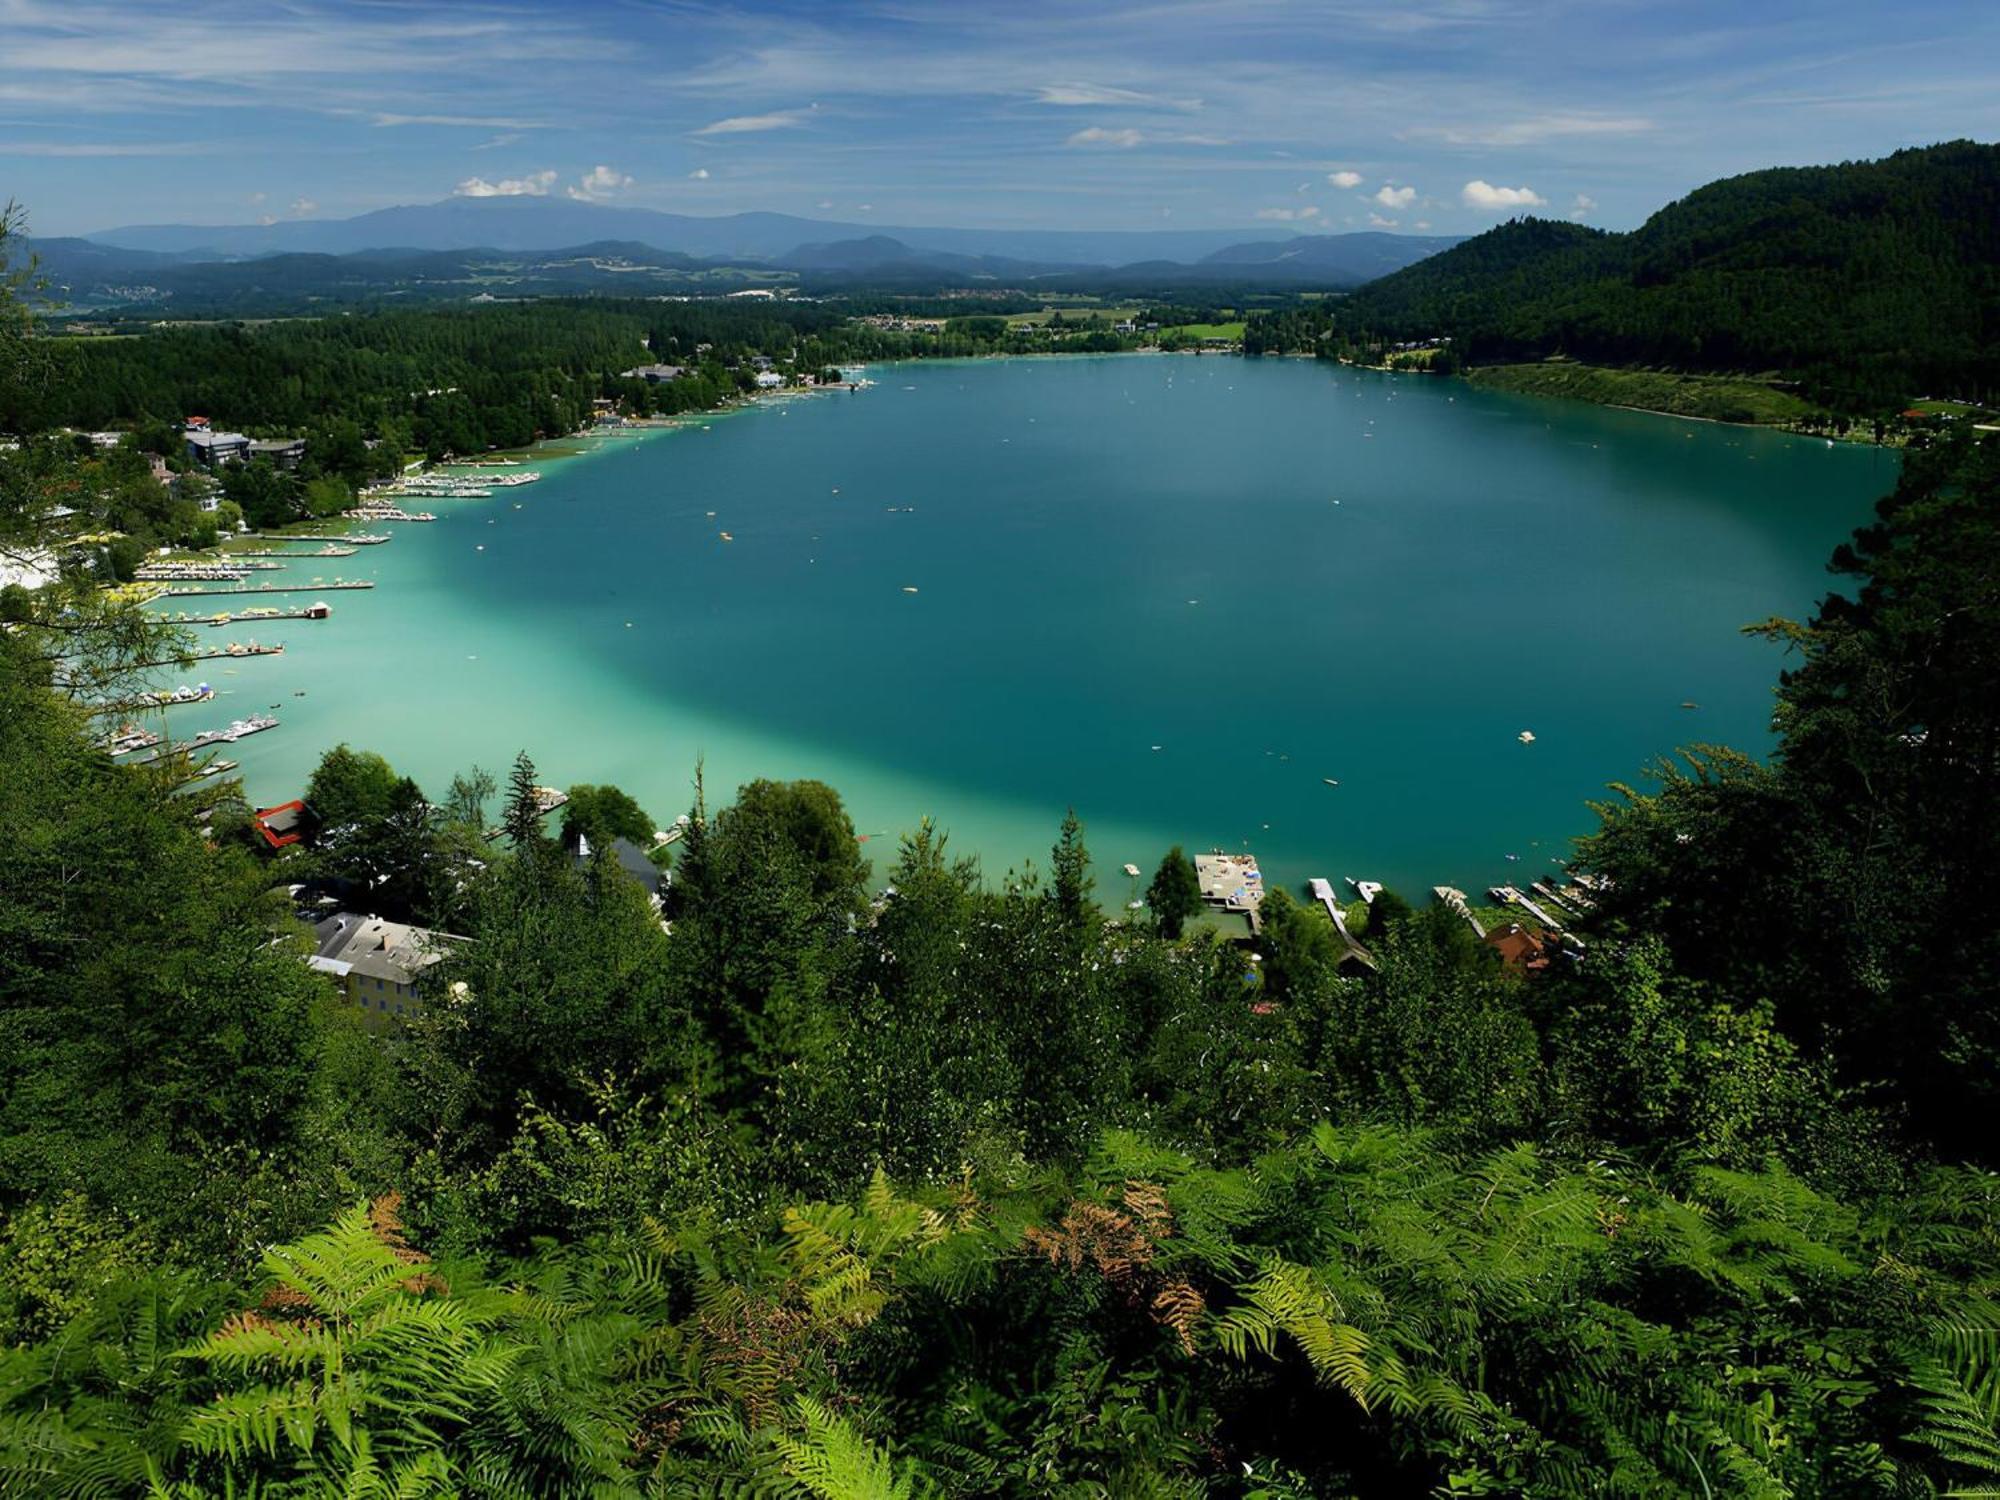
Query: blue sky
<point>1324,115</point>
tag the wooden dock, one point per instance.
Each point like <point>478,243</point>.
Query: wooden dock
<point>1322,890</point>
<point>295,556</point>
<point>242,729</point>
<point>309,612</point>
<point>1508,895</point>
<point>1456,901</point>
<point>268,588</point>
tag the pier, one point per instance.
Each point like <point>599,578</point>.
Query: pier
<point>1322,892</point>
<point>345,539</point>
<point>309,612</point>
<point>1552,897</point>
<point>241,729</point>
<point>322,552</point>
<point>269,588</point>
<point>1508,895</point>
<point>233,649</point>
<point>1456,901</point>
<point>547,800</point>
<point>216,572</point>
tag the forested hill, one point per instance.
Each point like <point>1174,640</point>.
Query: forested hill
<point>1869,282</point>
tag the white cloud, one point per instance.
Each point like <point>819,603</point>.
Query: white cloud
<point>782,119</point>
<point>598,183</point>
<point>1378,222</point>
<point>301,207</point>
<point>1534,132</point>
<point>1480,194</point>
<point>699,174</point>
<point>477,122</point>
<point>824,203</point>
<point>864,208</point>
<point>1077,95</point>
<point>1097,135</point>
<point>1288,215</point>
<point>1395,197</point>
<point>106,148</point>
<point>1423,224</point>
<point>1344,179</point>
<point>256,197</point>
<point>1584,206</point>
<point>534,185</point>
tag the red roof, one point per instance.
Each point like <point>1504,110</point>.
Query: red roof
<point>1518,948</point>
<point>280,824</point>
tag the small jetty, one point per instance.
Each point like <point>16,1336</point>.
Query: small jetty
<point>215,572</point>
<point>1367,890</point>
<point>387,513</point>
<point>200,692</point>
<point>1508,895</point>
<point>547,800</point>
<point>127,739</point>
<point>237,649</point>
<point>331,539</point>
<point>327,551</point>
<point>272,588</point>
<point>315,611</point>
<point>1322,892</point>
<point>1455,900</point>
<point>1554,898</point>
<point>240,729</point>
<point>205,771</point>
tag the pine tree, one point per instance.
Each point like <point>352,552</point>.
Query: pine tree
<point>1175,894</point>
<point>1072,885</point>
<point>523,820</point>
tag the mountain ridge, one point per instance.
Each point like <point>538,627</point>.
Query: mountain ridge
<point>530,223</point>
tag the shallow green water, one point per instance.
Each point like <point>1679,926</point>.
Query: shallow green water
<point>1394,578</point>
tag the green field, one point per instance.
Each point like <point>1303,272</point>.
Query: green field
<point>1719,398</point>
<point>1948,408</point>
<point>1076,312</point>
<point>1210,330</point>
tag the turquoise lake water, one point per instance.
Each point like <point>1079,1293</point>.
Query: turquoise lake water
<point>1174,592</point>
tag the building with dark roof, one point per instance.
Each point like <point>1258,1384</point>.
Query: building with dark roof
<point>379,965</point>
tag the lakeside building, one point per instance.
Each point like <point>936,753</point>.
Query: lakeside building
<point>211,449</point>
<point>283,825</point>
<point>378,964</point>
<point>768,380</point>
<point>633,861</point>
<point>1231,883</point>
<point>285,453</point>
<point>1519,949</point>
<point>654,374</point>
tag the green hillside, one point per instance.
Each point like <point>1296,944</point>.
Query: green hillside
<point>1869,283</point>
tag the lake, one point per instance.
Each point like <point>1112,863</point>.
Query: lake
<point>1178,593</point>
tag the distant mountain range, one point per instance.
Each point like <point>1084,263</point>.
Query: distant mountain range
<point>539,225</point>
<point>515,247</point>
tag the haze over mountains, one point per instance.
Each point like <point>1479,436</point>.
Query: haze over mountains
<point>494,228</point>
<point>531,246</point>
